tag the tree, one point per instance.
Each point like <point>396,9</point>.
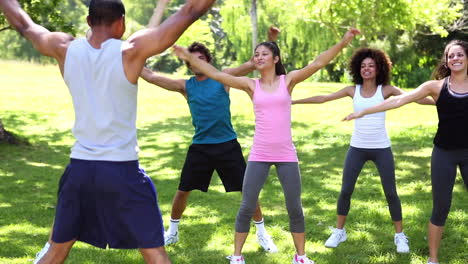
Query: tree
<point>311,26</point>
<point>47,13</point>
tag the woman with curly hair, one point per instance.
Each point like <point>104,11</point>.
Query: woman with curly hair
<point>450,92</point>
<point>370,70</point>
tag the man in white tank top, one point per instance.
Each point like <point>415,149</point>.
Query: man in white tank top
<point>101,73</point>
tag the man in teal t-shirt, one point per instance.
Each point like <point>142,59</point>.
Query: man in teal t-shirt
<point>214,144</point>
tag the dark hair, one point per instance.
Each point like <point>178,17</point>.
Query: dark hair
<point>105,12</point>
<point>199,47</point>
<point>273,47</point>
<point>442,70</point>
<point>382,63</point>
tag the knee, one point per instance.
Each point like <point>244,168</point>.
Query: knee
<point>345,195</point>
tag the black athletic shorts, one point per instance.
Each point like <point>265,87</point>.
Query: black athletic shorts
<point>202,159</point>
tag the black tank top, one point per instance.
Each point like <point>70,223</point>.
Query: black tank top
<point>452,109</point>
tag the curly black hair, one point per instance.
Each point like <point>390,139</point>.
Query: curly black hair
<point>382,62</point>
<point>442,70</point>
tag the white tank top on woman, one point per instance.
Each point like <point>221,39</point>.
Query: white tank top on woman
<point>105,102</point>
<point>369,130</point>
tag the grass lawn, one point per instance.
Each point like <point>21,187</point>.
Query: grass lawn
<point>36,105</point>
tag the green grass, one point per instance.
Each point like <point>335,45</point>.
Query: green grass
<point>35,105</point>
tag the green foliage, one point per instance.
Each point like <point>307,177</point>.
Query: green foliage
<point>413,33</point>
<point>55,15</point>
<point>311,26</point>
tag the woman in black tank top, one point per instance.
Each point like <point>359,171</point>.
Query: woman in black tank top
<point>450,91</point>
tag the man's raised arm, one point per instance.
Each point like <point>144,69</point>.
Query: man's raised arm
<point>149,42</point>
<point>53,44</point>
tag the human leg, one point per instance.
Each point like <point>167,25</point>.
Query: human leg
<point>255,177</point>
<point>383,159</point>
<point>57,253</point>
<point>385,164</point>
<point>179,204</point>
<point>354,161</point>
<point>290,179</point>
<point>443,173</point>
<point>155,255</point>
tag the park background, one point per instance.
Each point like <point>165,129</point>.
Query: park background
<point>35,107</point>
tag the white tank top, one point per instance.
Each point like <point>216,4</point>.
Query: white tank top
<point>369,130</point>
<point>105,102</point>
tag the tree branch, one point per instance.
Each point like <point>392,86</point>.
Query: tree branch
<point>5,28</point>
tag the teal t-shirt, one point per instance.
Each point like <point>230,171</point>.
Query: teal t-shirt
<point>209,105</point>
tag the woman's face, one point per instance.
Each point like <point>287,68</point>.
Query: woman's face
<point>456,59</point>
<point>368,69</point>
<point>263,58</point>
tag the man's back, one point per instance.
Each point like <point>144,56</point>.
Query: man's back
<point>105,102</point>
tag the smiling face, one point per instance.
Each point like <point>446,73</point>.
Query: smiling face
<point>368,69</point>
<point>263,58</point>
<point>457,59</point>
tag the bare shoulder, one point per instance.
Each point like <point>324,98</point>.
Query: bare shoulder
<point>434,86</point>
<point>350,90</point>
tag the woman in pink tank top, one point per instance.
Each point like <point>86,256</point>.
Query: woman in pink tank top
<point>271,96</point>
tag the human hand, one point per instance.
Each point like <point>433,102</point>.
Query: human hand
<point>273,33</point>
<point>181,52</point>
<point>350,34</point>
<point>353,116</point>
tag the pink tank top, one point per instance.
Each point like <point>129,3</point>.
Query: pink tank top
<point>272,139</point>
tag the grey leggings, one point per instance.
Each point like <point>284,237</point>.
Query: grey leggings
<point>254,179</point>
<point>383,159</point>
<point>443,172</point>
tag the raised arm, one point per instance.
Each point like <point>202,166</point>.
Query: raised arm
<point>163,82</point>
<point>151,41</point>
<point>242,83</point>
<point>430,88</point>
<point>249,66</point>
<point>297,76</point>
<point>319,99</point>
<point>52,44</point>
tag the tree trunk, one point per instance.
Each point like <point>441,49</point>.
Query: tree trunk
<point>253,19</point>
<point>6,136</point>
<point>158,13</point>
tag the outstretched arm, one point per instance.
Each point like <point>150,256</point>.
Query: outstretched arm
<point>52,44</point>
<point>149,42</point>
<point>320,61</point>
<point>163,82</point>
<point>249,66</point>
<point>430,88</point>
<point>319,99</point>
<point>242,83</point>
<point>395,91</point>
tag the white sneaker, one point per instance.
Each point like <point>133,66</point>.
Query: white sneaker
<point>429,262</point>
<point>401,242</point>
<point>237,260</point>
<point>304,260</point>
<point>337,236</point>
<point>267,243</point>
<point>170,238</point>
<point>41,253</point>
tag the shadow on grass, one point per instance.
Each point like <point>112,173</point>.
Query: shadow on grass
<point>30,174</point>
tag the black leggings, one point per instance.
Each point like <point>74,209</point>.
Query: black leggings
<point>443,172</point>
<point>383,159</point>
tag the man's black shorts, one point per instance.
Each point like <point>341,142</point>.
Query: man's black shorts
<point>202,159</point>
